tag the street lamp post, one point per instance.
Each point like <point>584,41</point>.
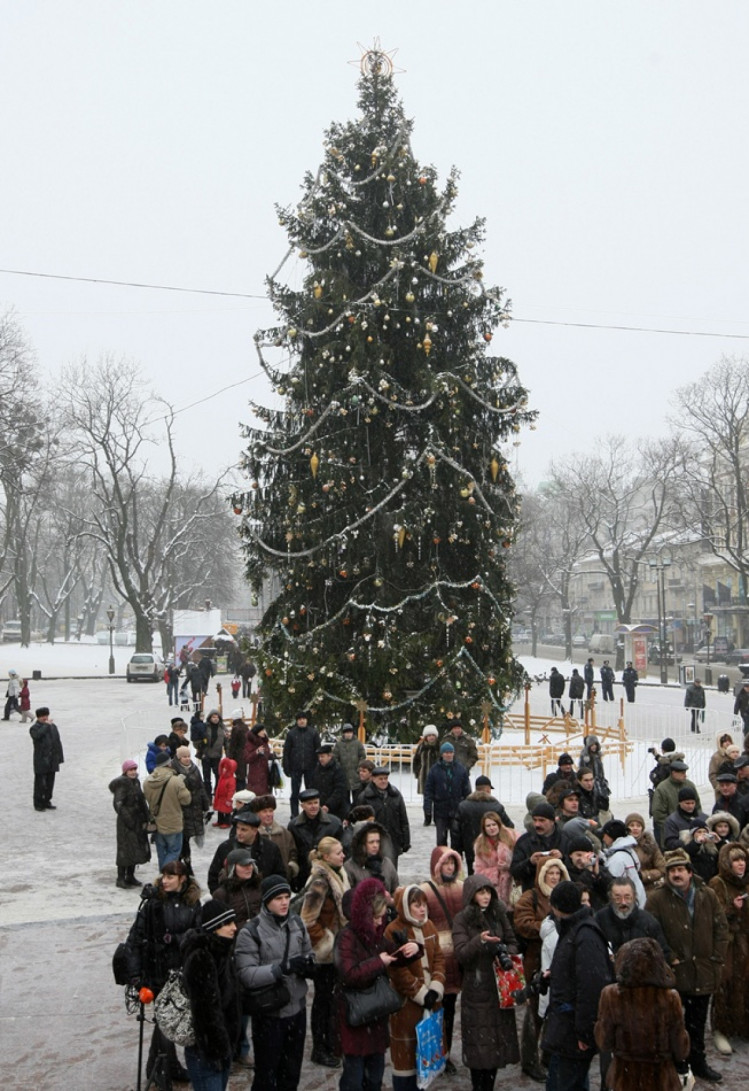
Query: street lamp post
<point>708,619</point>
<point>659,564</point>
<point>110,616</point>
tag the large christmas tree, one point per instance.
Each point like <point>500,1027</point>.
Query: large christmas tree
<point>380,505</point>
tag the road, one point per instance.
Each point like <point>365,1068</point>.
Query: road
<point>62,1018</point>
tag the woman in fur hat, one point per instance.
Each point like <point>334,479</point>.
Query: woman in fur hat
<point>488,1031</point>
<point>640,1022</point>
<point>652,864</point>
<point>493,853</point>
<point>426,754</point>
<point>322,913</point>
<point>731,1001</point>
<point>421,983</point>
<point>210,982</point>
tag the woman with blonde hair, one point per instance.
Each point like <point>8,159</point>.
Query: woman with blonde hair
<point>323,916</point>
<point>493,853</point>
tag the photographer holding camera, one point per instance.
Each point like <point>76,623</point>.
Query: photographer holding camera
<point>481,934</point>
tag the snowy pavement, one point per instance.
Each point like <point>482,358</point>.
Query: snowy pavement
<point>62,1019</point>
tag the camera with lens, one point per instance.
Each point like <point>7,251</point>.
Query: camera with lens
<point>504,957</point>
<point>537,986</point>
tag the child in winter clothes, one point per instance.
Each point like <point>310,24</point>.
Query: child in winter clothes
<point>225,789</point>
<point>236,685</point>
<point>24,698</point>
<point>421,983</point>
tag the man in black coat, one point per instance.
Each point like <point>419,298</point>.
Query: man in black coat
<point>580,970</point>
<point>630,678</point>
<point>545,841</point>
<point>687,816</point>
<point>389,808</point>
<point>729,799</point>
<point>246,835</point>
<point>565,770</point>
<point>472,810</point>
<point>607,681</point>
<point>622,919</point>
<point>447,784</point>
<point>556,692</point>
<point>331,782</point>
<point>48,758</point>
<point>308,829</point>
<point>299,757</point>
<point>741,705</point>
<point>589,677</point>
<point>207,669</point>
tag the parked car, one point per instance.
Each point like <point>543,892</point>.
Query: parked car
<point>145,667</point>
<point>737,656</point>
<point>654,654</point>
<point>11,631</point>
<point>580,641</point>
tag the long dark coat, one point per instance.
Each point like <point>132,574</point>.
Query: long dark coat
<point>580,970</point>
<point>132,817</point>
<point>258,777</point>
<point>488,1031</point>
<point>211,984</point>
<point>48,755</point>
<point>640,1022</point>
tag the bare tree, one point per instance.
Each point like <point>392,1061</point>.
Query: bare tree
<point>712,421</point>
<point>138,516</point>
<point>623,498</point>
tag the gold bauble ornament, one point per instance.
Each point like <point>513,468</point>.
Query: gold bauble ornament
<point>427,344</point>
<point>317,290</point>
<point>314,464</point>
<point>410,297</point>
<point>433,260</point>
<point>494,469</point>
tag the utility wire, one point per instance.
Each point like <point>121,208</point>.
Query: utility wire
<point>251,295</point>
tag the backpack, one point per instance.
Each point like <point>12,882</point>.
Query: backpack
<point>173,1012</point>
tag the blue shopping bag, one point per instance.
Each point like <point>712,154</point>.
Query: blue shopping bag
<point>430,1058</point>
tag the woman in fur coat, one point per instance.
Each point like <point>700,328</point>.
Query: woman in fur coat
<point>322,913</point>
<point>731,1001</point>
<point>168,910</point>
<point>493,854</point>
<point>488,1031</point>
<point>362,953</point>
<point>652,864</point>
<point>421,983</point>
<point>132,818</point>
<point>640,1022</point>
<point>444,893</point>
<point>210,982</point>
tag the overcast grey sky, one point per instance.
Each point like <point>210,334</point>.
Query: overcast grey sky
<point>606,144</point>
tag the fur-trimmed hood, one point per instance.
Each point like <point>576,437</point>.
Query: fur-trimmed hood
<point>361,919</point>
<point>441,853</point>
<point>480,795</point>
<point>227,767</point>
<point>190,895</point>
<point>724,816</point>
<point>640,962</point>
<point>541,883</point>
<point>401,897</point>
<point>730,851</point>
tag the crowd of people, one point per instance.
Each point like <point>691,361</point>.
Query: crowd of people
<point>618,925</point>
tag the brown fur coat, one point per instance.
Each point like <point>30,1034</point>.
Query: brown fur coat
<point>640,1022</point>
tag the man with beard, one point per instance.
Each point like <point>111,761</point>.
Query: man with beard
<point>696,930</point>
<point>622,919</point>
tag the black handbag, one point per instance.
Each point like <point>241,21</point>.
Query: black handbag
<point>365,1006</point>
<point>268,998</point>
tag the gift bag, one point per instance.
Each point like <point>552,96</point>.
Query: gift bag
<point>430,1056</point>
<point>509,980</point>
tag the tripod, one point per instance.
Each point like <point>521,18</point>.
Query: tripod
<point>159,1078</point>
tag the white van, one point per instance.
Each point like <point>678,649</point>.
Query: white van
<point>602,644</point>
